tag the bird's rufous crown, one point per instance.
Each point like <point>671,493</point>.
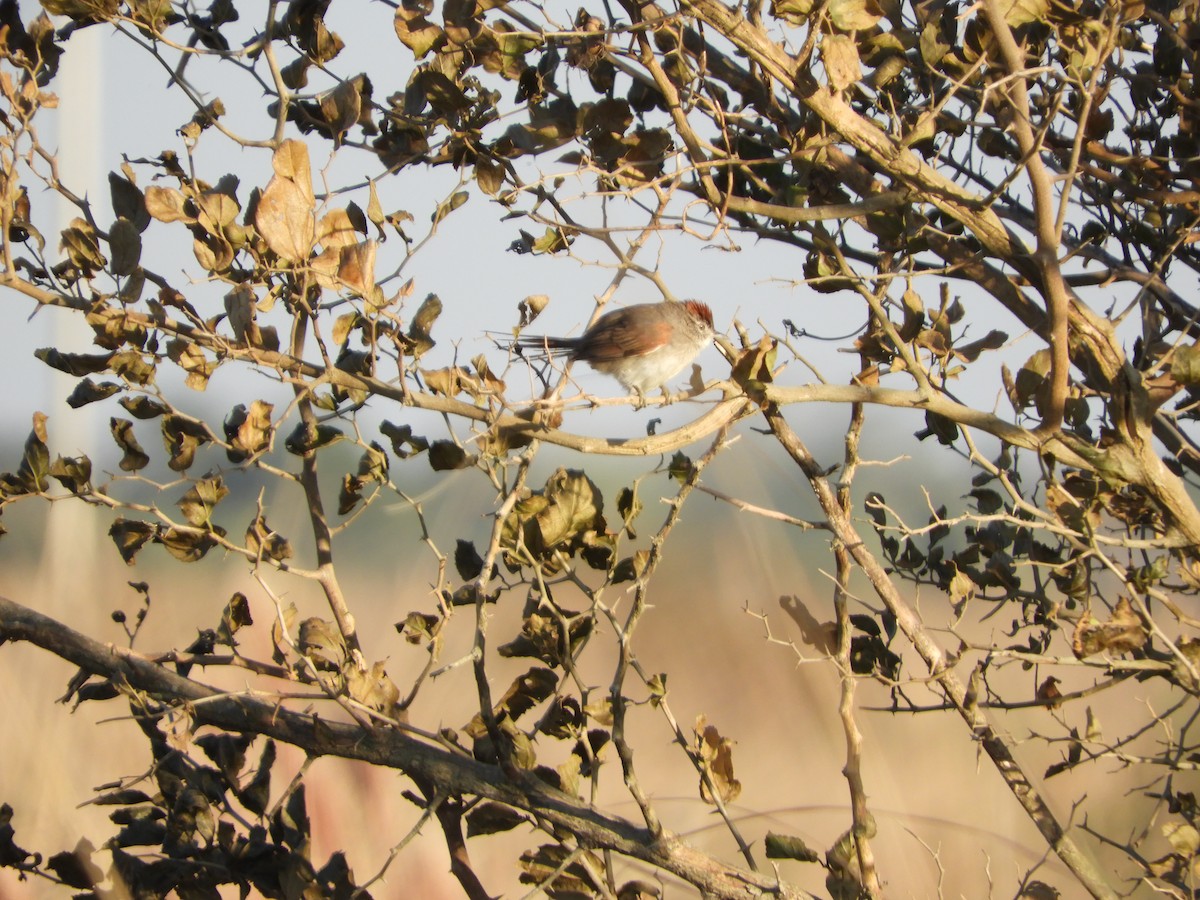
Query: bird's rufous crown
<point>699,310</point>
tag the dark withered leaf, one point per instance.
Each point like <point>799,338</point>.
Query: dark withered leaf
<point>121,798</point>
<point>404,442</point>
<point>130,535</point>
<point>234,617</point>
<point>73,473</point>
<point>564,718</point>
<point>199,501</point>
<point>249,430</point>
<point>32,475</point>
<point>786,846</point>
<point>447,455</point>
<point>336,880</point>
<point>132,366</point>
<point>182,437</point>
<point>629,507</point>
<point>228,751</point>
<point>256,795</point>
<point>73,363</point>
<point>290,824</point>
<point>135,457</point>
<point>419,628</point>
<point>142,831</point>
<point>526,692</point>
<point>467,560</point>
<point>261,538</point>
<point>76,868</point>
<point>542,636</point>
<point>321,642</point>
<point>492,818</point>
<point>143,407</point>
<point>302,440</point>
<point>572,881</point>
<point>88,391</point>
<point>128,201</point>
<point>96,691</point>
<point>427,314</point>
<point>186,545</point>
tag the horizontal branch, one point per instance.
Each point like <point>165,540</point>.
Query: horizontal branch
<point>932,402</point>
<point>731,408</point>
<point>794,215</point>
<point>1133,461</point>
<point>455,774</point>
<point>1138,466</point>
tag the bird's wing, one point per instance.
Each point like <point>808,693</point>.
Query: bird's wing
<point>619,337</point>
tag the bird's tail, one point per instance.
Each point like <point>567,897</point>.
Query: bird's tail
<point>541,345</point>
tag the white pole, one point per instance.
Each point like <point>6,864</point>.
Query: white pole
<point>69,553</point>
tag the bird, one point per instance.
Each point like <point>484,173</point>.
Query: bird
<point>642,346</point>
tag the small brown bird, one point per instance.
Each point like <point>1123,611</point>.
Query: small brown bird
<point>642,346</point>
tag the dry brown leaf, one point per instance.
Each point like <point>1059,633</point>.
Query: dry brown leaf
<point>1048,692</point>
<point>285,220</point>
<point>715,754</point>
<point>356,267</point>
<point>840,56</point>
<point>285,210</point>
<point>1122,633</point>
<point>336,230</point>
<point>242,313</point>
<point>291,161</point>
<point>165,204</point>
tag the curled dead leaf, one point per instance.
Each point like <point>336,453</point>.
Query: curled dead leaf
<point>1048,692</point>
<point>1122,633</point>
<point>715,755</point>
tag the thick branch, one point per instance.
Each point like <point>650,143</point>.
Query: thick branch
<point>1053,289</point>
<point>455,774</point>
<point>864,822</point>
<point>322,536</point>
<point>905,166</point>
